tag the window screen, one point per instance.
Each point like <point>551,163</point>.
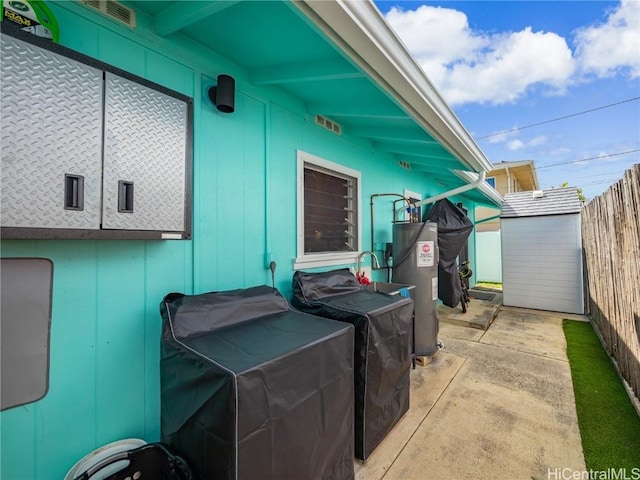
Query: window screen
<point>330,211</point>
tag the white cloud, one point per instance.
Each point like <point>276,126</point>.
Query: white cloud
<point>470,66</point>
<point>605,49</point>
<point>541,140</point>
<point>515,62</point>
<point>604,156</point>
<point>560,151</point>
<point>502,137</point>
<point>515,145</point>
<point>475,67</point>
<point>427,27</point>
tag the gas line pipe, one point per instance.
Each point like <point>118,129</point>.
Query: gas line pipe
<point>410,204</point>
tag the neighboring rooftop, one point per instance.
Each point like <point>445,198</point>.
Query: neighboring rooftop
<point>524,171</point>
<point>555,201</point>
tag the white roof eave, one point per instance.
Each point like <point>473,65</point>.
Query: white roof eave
<point>360,31</point>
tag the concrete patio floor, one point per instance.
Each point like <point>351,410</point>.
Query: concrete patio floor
<point>494,404</point>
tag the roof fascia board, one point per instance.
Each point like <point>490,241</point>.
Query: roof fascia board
<point>358,29</point>
<point>503,165</point>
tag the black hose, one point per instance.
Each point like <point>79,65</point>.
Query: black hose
<point>272,267</point>
<point>405,254</point>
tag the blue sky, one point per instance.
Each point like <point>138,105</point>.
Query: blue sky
<point>504,65</point>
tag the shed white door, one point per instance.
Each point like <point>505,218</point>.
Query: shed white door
<point>542,263</point>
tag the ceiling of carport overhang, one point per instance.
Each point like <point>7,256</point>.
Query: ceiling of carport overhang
<point>278,46</point>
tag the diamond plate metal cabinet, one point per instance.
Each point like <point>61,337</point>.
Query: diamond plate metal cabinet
<point>144,158</point>
<point>51,139</point>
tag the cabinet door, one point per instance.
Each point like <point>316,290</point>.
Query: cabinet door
<point>144,158</point>
<point>51,139</point>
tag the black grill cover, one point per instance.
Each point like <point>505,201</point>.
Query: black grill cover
<point>382,356</point>
<point>253,389</point>
<point>454,228</point>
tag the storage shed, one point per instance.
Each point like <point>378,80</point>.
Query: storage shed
<point>542,250</point>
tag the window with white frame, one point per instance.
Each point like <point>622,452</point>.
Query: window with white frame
<point>491,181</point>
<point>329,223</point>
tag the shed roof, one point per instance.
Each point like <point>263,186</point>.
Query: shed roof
<point>555,201</point>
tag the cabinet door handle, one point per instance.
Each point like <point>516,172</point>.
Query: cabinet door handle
<point>125,196</point>
<point>73,192</point>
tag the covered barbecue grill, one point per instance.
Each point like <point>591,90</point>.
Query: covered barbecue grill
<point>252,389</point>
<point>382,360</point>
<point>454,228</point>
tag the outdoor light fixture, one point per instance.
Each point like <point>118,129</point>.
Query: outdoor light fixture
<point>223,94</point>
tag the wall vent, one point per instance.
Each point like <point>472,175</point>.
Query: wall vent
<point>329,124</point>
<point>114,10</point>
<point>405,165</point>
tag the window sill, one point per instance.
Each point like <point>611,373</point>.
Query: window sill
<point>325,260</point>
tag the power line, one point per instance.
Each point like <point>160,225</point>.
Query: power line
<point>587,159</point>
<point>559,118</point>
<point>598,182</point>
<point>600,174</point>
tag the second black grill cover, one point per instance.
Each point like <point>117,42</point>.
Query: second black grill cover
<point>454,228</point>
<point>382,356</point>
<point>252,389</point>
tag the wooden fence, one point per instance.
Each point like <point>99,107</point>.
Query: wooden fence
<point>611,243</point>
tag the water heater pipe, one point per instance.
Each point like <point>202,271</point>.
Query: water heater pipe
<point>409,202</point>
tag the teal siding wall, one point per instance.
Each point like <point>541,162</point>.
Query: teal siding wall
<point>229,231</point>
<point>103,374</point>
<point>105,331</point>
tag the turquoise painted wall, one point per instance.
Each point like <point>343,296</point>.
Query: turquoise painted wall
<point>105,331</point>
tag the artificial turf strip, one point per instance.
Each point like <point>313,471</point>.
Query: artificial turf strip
<point>609,424</point>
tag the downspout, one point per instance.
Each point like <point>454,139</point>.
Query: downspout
<point>469,186</point>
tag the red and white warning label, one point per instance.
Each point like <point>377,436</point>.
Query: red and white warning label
<point>425,254</point>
